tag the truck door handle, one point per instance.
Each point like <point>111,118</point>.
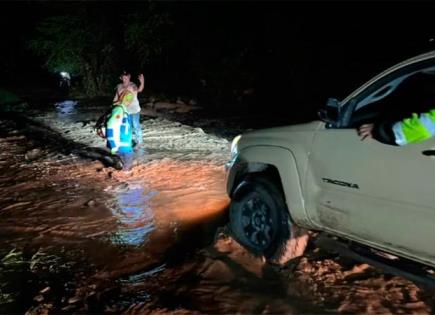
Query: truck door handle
<point>428,152</point>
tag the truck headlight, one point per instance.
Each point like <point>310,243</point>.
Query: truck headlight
<point>234,149</point>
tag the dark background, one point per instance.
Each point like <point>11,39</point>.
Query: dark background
<point>287,55</point>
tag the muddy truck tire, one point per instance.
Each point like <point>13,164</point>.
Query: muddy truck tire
<point>260,221</point>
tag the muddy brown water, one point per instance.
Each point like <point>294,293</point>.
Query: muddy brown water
<point>76,237</point>
<point>121,223</point>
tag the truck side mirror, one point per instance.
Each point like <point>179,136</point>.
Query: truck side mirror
<point>330,112</point>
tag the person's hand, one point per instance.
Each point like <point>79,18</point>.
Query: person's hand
<point>366,131</point>
<point>141,78</point>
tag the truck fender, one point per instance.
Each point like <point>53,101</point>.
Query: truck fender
<point>257,158</point>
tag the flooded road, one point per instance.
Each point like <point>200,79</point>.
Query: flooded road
<point>121,223</point>
<point>78,237</point>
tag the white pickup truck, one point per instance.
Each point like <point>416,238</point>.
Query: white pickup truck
<point>320,176</point>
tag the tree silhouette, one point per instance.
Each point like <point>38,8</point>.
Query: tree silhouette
<point>93,45</point>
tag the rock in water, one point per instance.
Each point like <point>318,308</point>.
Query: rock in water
<point>90,203</point>
<point>33,154</point>
<point>38,298</point>
<point>45,290</point>
<point>113,161</point>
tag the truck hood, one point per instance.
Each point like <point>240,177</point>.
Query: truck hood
<point>287,136</point>
<point>277,131</point>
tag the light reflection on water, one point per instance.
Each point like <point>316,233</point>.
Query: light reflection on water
<point>135,216</point>
<point>66,108</point>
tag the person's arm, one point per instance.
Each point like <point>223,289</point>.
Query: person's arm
<point>142,83</point>
<point>113,129</point>
<point>417,128</point>
<point>412,129</point>
<point>382,132</point>
<point>116,97</point>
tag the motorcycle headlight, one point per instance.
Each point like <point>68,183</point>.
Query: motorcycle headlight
<point>234,149</point>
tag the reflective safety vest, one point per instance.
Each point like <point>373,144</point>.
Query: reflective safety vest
<point>415,129</point>
<point>119,131</point>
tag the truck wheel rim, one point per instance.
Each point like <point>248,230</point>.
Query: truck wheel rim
<point>257,222</point>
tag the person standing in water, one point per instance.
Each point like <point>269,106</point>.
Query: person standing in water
<point>134,108</point>
<point>119,130</point>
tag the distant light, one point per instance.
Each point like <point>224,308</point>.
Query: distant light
<point>65,74</point>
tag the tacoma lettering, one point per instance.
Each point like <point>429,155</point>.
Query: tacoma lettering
<point>340,183</point>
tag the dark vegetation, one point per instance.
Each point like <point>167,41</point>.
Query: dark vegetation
<point>288,56</point>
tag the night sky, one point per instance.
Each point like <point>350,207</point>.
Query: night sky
<point>284,51</point>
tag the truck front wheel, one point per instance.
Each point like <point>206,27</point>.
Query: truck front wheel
<point>260,221</point>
